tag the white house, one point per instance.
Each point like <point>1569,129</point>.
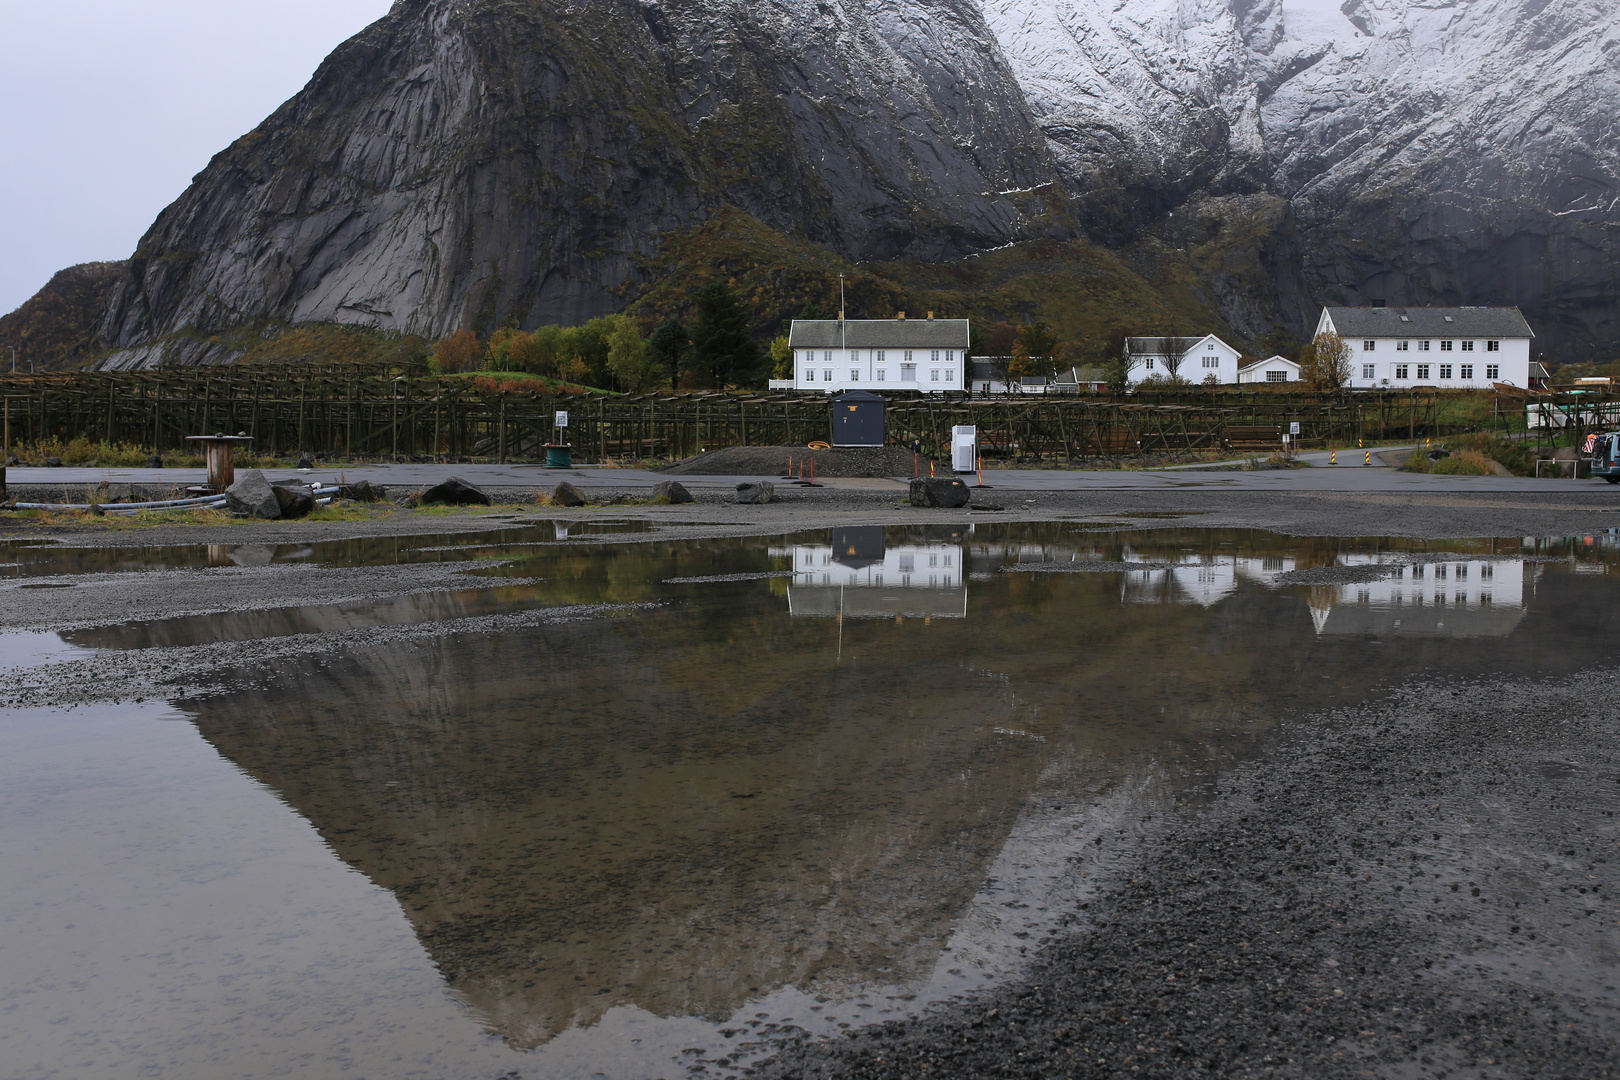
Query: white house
<point>833,355</point>
<point>1464,348</point>
<point>1198,360</point>
<point>1279,369</point>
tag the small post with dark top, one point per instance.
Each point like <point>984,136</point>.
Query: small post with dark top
<point>221,466</point>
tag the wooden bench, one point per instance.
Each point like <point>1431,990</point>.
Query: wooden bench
<point>1254,438</point>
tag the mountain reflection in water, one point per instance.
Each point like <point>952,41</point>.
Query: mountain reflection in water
<point>688,810</point>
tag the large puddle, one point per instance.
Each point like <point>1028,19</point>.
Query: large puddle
<point>827,779</point>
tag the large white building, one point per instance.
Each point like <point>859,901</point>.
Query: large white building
<point>833,355</point>
<point>1464,348</point>
<point>1198,360</point>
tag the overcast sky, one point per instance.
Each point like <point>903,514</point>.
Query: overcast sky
<point>109,107</point>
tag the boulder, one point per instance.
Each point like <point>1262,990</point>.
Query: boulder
<point>751,494</point>
<point>295,498</point>
<point>938,491</point>
<point>364,491</point>
<point>566,494</point>
<point>671,493</point>
<point>253,495</point>
<point>53,462</point>
<point>154,462</point>
<point>454,492</point>
<point>305,461</point>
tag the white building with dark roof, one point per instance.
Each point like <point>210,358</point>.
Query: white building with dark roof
<point>1279,369</point>
<point>1463,348</point>
<point>831,355</point>
<point>1205,359</point>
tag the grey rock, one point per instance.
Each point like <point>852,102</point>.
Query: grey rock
<point>296,499</point>
<point>566,494</point>
<point>363,491</point>
<point>939,491</point>
<point>455,492</point>
<point>671,493</point>
<point>305,461</point>
<point>253,495</point>
<point>53,463</point>
<point>154,462</point>
<point>752,494</point>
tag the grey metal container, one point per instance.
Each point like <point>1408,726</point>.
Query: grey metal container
<point>858,419</point>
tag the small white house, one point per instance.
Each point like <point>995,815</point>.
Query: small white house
<point>1279,369</point>
<point>1463,348</point>
<point>1198,360</point>
<point>833,355</point>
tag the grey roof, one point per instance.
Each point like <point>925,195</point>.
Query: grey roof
<point>879,334</point>
<point>1161,346</point>
<point>1075,375</point>
<point>1430,322</point>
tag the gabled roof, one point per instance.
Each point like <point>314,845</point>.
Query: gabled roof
<point>1161,346</point>
<point>1432,322</point>
<point>879,334</point>
<point>1272,360</point>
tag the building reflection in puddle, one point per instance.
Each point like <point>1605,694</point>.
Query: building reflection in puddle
<point>858,575</point>
<point>1463,598</point>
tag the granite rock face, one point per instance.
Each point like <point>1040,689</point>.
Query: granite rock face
<point>1442,151</point>
<point>461,163</point>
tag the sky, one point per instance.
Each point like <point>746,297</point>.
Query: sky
<point>108,108</point>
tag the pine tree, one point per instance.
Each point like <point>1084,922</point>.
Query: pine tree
<point>722,348</point>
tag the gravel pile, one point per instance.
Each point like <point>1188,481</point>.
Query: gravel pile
<point>872,461</point>
<point>1424,890</point>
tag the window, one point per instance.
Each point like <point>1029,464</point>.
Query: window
<point>809,375</point>
<point>1466,371</point>
<point>880,356</point>
<point>1149,364</point>
<point>1493,346</point>
<point>935,357</point>
<point>950,375</point>
<point>826,357</point>
<point>1423,371</point>
<point>826,376</point>
<point>1493,371</point>
<point>1468,346</point>
<point>854,374</point>
<point>1401,346</point>
<point>933,375</point>
<point>1276,376</point>
<point>950,356</point>
<point>854,356</point>
<point>1368,346</point>
<point>1212,361</point>
<point>1423,346</point>
<point>1401,371</point>
<point>1369,371</point>
<point>1445,346</point>
<point>908,356</point>
<point>1445,371</point>
<point>880,374</point>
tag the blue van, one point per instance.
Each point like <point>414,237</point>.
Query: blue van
<point>1604,450</point>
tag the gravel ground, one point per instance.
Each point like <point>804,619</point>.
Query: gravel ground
<point>773,461</point>
<point>1425,516</point>
<point>1425,888</point>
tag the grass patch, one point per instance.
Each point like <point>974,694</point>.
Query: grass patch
<point>1473,455</point>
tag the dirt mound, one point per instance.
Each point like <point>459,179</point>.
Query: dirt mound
<point>773,461</point>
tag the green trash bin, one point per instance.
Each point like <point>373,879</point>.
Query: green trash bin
<point>559,455</point>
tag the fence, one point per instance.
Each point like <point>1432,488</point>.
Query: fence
<point>371,413</point>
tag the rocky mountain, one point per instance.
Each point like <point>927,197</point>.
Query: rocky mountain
<point>1459,151</point>
<point>56,328</point>
<point>465,162</point>
<point>470,161</point>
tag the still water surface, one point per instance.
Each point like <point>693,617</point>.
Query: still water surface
<point>823,780</point>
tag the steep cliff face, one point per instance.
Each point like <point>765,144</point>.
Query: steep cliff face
<point>1459,151</point>
<point>469,161</point>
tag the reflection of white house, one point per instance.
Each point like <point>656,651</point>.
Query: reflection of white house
<point>1279,369</point>
<point>1205,580</point>
<point>1198,360</point>
<point>867,582</point>
<point>1461,598</point>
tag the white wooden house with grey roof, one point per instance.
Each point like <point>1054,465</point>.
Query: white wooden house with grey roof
<point>832,355</point>
<point>1464,348</point>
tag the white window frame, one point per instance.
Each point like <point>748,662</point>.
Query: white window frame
<point>1465,371</point>
<point>933,374</point>
<point>1423,371</point>
<point>826,376</point>
<point>1468,346</point>
<point>1402,371</point>
<point>1369,371</point>
<point>1445,346</point>
<point>1369,345</point>
<point>1445,371</point>
<point>1493,371</point>
<point>1276,376</point>
<point>1402,346</point>
<point>1423,346</point>
<point>1493,346</point>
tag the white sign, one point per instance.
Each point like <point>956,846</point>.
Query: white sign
<point>1293,428</point>
<point>562,418</point>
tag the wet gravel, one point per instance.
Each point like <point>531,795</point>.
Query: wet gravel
<point>1423,888</point>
